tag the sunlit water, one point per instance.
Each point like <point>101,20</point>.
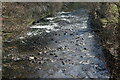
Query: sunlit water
<point>67,47</point>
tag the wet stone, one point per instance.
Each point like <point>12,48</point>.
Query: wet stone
<point>33,61</point>
<point>71,34</point>
<point>82,39</point>
<point>56,41</point>
<point>39,53</point>
<point>35,58</point>
<point>55,56</point>
<point>59,34</point>
<point>61,59</point>
<point>31,58</point>
<point>77,40</point>
<point>51,54</point>
<point>60,48</point>
<point>52,39</point>
<point>17,59</point>
<point>65,46</point>
<point>63,63</point>
<point>65,33</point>
<point>85,48</point>
<point>55,34</point>
<point>77,44</point>
<point>81,56</point>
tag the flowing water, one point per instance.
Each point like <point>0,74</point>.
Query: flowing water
<point>62,46</point>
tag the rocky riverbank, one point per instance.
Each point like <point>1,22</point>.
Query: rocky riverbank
<point>106,19</point>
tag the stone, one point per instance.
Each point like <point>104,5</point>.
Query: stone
<point>31,58</point>
<point>39,53</point>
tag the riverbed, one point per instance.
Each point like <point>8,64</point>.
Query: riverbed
<point>61,46</point>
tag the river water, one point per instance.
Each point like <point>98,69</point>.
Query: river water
<point>62,46</point>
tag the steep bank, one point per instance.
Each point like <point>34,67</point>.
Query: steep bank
<point>106,19</point>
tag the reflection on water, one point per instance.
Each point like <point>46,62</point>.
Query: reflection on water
<point>64,46</point>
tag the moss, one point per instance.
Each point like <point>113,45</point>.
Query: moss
<point>113,9</point>
<point>114,20</point>
<point>104,21</point>
<point>6,36</point>
<point>29,21</point>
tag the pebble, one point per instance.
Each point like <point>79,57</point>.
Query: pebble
<point>65,33</point>
<point>31,58</point>
<point>17,59</point>
<point>41,62</point>
<point>77,40</point>
<point>60,48</point>
<point>71,34</point>
<point>52,39</point>
<point>63,63</point>
<point>55,34</point>
<point>77,44</point>
<point>39,53</point>
<point>52,60</point>
<point>45,51</point>
<point>85,48</point>
<point>56,55</point>
<point>51,54</point>
<point>56,41</point>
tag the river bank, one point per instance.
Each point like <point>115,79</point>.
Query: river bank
<point>106,19</point>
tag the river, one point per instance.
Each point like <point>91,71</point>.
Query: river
<point>61,46</point>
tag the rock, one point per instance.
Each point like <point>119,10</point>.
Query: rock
<point>52,60</point>
<point>59,35</point>
<point>51,54</point>
<point>77,44</point>
<point>56,55</point>
<point>82,39</point>
<point>35,58</point>
<point>17,59</point>
<point>81,56</point>
<point>71,34</point>
<point>65,33</point>
<point>39,53</point>
<point>77,40</point>
<point>63,63</point>
<point>45,51</point>
<point>31,58</point>
<point>61,58</point>
<point>52,39</point>
<point>85,48</point>
<point>56,41</point>
<point>41,62</point>
<point>60,48</point>
<point>65,46</point>
<point>56,34</point>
